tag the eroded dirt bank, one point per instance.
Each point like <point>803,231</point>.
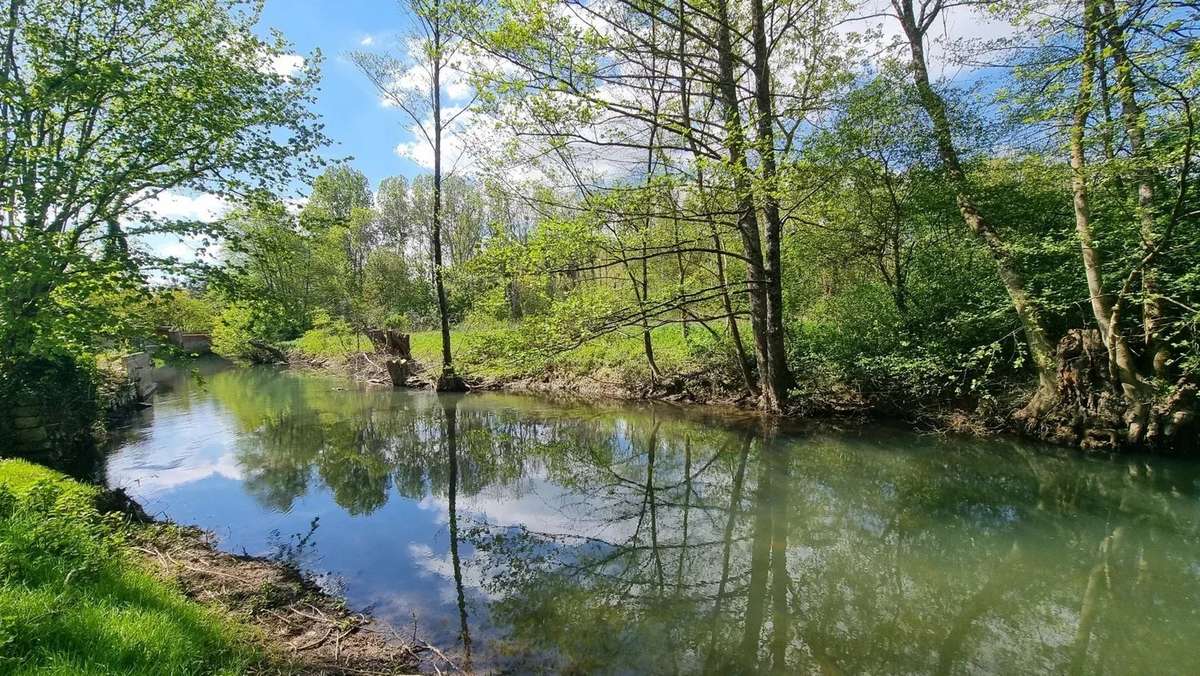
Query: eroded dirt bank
<point>304,629</point>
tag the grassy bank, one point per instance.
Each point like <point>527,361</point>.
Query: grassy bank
<point>500,354</point>
<point>74,599</point>
<point>83,591</point>
<point>968,396</point>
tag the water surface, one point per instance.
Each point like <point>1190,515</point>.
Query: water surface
<point>527,535</point>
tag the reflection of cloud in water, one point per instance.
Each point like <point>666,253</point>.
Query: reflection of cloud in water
<point>200,443</point>
<point>432,565</point>
<point>540,506</point>
<point>151,482</point>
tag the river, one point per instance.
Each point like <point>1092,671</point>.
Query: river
<point>524,534</point>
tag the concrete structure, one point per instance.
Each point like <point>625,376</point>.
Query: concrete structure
<point>192,343</point>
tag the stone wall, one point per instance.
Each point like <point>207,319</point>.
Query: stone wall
<point>28,429</point>
<point>48,421</point>
<point>139,370</point>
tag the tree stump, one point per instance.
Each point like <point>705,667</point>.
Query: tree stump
<point>391,342</point>
<point>1091,412</point>
<point>398,371</point>
<point>398,347</point>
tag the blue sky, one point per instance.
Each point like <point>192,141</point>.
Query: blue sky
<point>354,119</point>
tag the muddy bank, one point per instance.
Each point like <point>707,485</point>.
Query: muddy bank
<point>303,628</point>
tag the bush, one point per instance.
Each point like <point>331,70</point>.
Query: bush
<point>331,338</point>
<point>183,310</point>
<point>233,331</point>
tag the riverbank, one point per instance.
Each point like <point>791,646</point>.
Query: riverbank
<point>616,368</point>
<point>89,585</point>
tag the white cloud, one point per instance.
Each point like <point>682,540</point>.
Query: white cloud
<point>367,41</point>
<point>456,155</point>
<point>172,205</point>
<point>285,65</point>
<point>458,89</point>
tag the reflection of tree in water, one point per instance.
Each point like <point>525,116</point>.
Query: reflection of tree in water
<point>836,559</point>
<point>450,411</point>
<point>362,442</point>
<point>706,549</point>
<point>632,600</point>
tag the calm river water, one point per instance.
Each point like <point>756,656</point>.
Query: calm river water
<point>528,535</point>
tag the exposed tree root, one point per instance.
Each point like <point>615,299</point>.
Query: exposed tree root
<point>1090,410</point>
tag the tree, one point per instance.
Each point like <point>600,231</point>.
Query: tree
<point>274,269</point>
<point>336,193</point>
<point>916,24</point>
<point>1132,172</point>
<point>107,105</point>
<point>431,60</point>
<point>339,210</point>
<point>394,212</point>
<point>604,80</point>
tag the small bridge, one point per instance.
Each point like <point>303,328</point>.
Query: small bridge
<point>192,343</point>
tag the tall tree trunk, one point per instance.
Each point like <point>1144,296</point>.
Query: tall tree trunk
<point>735,333</point>
<point>647,339</point>
<point>447,381</point>
<point>1036,334</point>
<point>1153,307</point>
<point>1123,364</point>
<point>775,392</point>
<point>756,274</point>
<point>683,310</point>
<point>440,287</point>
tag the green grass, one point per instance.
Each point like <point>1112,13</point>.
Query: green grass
<point>75,600</point>
<point>497,352</point>
<point>20,476</point>
<point>330,342</point>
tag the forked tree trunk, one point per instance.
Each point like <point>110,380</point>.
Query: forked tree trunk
<point>1123,364</point>
<point>775,395</point>
<point>772,396</point>
<point>1153,309</point>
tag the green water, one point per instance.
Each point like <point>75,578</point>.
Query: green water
<point>523,535</point>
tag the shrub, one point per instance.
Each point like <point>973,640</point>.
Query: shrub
<point>184,310</point>
<point>233,331</point>
<point>331,338</point>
